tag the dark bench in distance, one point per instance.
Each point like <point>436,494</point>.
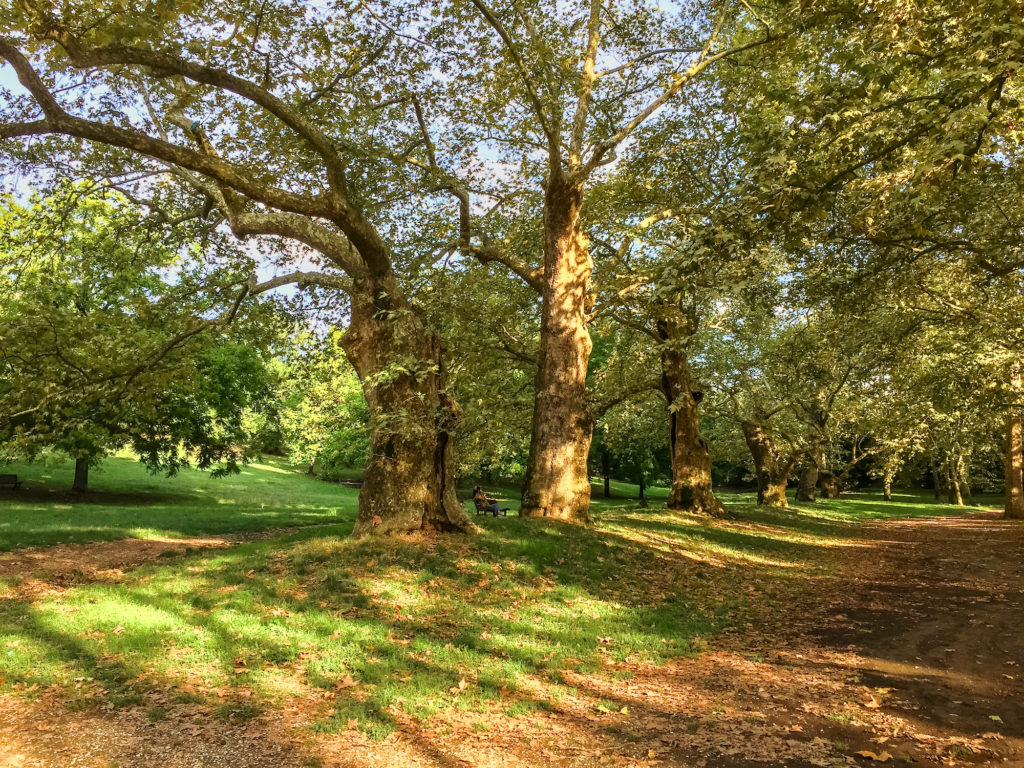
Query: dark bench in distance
<point>10,480</point>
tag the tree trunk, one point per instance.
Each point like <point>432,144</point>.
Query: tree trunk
<point>691,460</point>
<point>771,474</point>
<point>963,482</point>
<point>409,483</point>
<point>807,483</point>
<point>556,471</point>
<point>81,482</point>
<point>642,494</point>
<point>605,471</point>
<point>1013,507</point>
<point>887,489</point>
<point>831,484</point>
<point>953,484</point>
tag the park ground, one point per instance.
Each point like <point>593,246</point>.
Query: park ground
<point>194,621</point>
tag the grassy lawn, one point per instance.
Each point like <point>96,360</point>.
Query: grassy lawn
<point>368,634</point>
<point>127,501</point>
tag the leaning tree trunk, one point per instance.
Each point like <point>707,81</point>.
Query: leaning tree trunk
<point>691,461</point>
<point>81,481</point>
<point>771,474</point>
<point>563,425</point>
<point>409,483</point>
<point>1013,506</point>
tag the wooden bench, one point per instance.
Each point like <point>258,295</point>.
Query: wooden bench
<point>485,509</point>
<point>10,480</point>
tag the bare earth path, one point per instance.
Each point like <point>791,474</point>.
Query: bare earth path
<point>912,653</point>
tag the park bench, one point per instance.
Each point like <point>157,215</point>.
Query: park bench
<point>485,509</point>
<point>10,480</point>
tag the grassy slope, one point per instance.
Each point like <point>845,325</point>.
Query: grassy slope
<point>126,500</point>
<point>513,619</point>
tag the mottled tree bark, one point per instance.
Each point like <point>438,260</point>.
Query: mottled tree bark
<point>81,481</point>
<point>887,489</point>
<point>691,460</point>
<point>556,472</point>
<point>409,482</point>
<point>1013,506</point>
<point>770,470</point>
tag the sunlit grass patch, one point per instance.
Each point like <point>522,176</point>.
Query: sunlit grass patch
<point>378,633</point>
<point>384,629</point>
<point>127,501</point>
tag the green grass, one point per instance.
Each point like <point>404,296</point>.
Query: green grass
<point>513,620</point>
<point>127,501</point>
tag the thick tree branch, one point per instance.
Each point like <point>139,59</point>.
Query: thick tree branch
<point>302,280</point>
<point>165,64</point>
<point>57,121</point>
<point>485,254</point>
<point>579,124</point>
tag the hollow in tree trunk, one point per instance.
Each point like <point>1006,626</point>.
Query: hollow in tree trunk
<point>556,472</point>
<point>409,482</point>
<point>770,470</point>
<point>1013,506</point>
<point>81,481</point>
<point>691,460</point>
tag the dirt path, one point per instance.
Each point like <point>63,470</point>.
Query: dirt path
<point>912,654</point>
<point>941,623</point>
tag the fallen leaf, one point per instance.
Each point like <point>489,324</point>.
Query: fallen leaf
<point>883,757</point>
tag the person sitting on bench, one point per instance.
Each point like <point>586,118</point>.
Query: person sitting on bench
<point>484,503</point>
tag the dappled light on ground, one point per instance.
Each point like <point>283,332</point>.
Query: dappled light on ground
<point>652,639</point>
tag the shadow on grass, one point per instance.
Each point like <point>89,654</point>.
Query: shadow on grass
<point>411,629</point>
<point>394,629</point>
